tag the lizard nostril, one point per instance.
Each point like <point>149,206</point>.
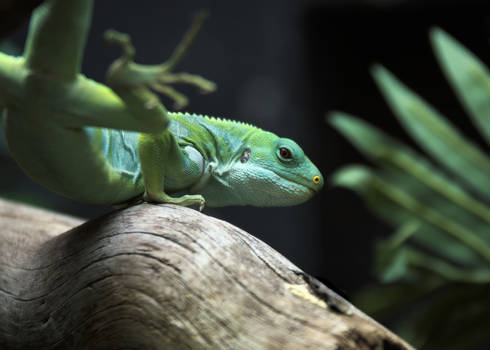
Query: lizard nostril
<point>316,179</point>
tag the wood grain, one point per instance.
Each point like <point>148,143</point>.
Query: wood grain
<point>162,277</point>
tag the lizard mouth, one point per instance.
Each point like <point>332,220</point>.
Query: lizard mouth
<point>310,190</point>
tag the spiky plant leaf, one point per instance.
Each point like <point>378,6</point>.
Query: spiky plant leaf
<point>437,265</point>
<point>468,76</point>
<point>391,260</point>
<point>406,182</point>
<point>389,152</point>
<point>440,234</point>
<point>386,299</point>
<point>434,133</point>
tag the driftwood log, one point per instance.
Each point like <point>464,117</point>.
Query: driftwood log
<point>162,277</point>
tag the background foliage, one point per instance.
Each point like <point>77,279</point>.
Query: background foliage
<point>437,261</point>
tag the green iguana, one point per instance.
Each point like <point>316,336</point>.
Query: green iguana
<point>118,145</point>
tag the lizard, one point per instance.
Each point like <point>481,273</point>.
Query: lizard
<point>117,144</point>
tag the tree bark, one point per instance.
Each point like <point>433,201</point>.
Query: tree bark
<point>162,277</point>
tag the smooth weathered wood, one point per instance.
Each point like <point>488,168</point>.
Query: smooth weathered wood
<point>162,277</point>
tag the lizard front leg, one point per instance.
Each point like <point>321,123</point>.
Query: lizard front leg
<point>159,152</point>
<point>160,155</point>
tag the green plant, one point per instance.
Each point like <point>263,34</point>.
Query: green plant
<point>435,268</point>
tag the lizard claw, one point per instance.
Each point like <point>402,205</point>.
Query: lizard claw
<point>165,79</point>
<point>123,40</point>
<point>124,72</point>
<point>185,200</point>
<point>201,206</point>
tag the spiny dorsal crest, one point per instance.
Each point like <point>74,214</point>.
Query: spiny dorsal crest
<point>223,120</point>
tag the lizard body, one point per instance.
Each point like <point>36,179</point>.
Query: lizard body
<point>117,144</point>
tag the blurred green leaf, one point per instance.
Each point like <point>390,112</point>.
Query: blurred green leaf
<point>468,76</point>
<point>406,172</point>
<point>434,133</point>
<point>386,299</point>
<point>391,258</point>
<point>436,266</point>
<point>398,206</point>
<point>430,264</point>
<point>453,318</point>
<point>386,151</point>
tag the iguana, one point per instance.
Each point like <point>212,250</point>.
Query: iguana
<point>118,144</point>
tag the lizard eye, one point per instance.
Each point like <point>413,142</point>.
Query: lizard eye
<point>245,156</point>
<point>284,153</point>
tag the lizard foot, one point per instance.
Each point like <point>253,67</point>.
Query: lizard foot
<point>185,200</point>
<point>126,74</point>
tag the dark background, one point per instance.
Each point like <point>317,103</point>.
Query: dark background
<point>282,65</point>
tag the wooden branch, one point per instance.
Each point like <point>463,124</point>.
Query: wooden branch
<point>162,277</point>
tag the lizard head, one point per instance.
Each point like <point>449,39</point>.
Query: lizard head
<point>267,171</point>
